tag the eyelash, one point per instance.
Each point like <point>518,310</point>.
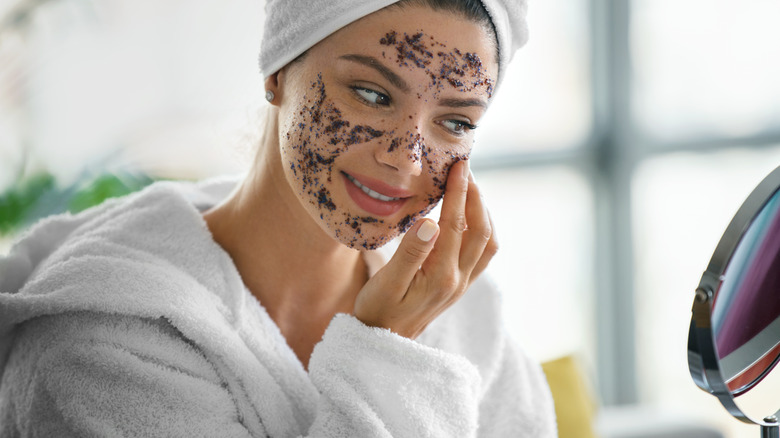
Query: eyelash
<point>357,90</point>
<point>462,124</point>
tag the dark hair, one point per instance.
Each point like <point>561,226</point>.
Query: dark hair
<point>473,10</point>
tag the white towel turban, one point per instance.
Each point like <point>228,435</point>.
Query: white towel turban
<point>293,26</point>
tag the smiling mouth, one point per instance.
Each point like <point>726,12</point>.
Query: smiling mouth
<point>369,192</point>
<point>372,201</point>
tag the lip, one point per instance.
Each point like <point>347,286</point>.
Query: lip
<point>371,205</point>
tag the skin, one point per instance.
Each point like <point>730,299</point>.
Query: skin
<point>368,100</point>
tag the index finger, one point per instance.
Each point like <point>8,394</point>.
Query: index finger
<point>452,222</point>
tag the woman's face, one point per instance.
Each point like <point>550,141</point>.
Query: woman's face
<point>372,118</point>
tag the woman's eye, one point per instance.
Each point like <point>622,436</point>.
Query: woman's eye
<point>458,126</point>
<point>371,96</point>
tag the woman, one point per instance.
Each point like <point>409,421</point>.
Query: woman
<point>261,308</point>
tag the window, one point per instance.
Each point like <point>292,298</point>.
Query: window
<point>704,70</point>
<point>682,110</point>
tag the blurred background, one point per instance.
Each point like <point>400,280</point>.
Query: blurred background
<point>624,138</point>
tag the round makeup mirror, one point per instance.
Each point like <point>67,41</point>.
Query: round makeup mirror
<point>734,337</point>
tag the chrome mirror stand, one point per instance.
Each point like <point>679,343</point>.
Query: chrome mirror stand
<point>770,428</point>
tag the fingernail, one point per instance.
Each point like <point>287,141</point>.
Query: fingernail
<point>426,231</point>
<point>466,169</point>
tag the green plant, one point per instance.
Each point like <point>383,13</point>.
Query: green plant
<point>39,195</point>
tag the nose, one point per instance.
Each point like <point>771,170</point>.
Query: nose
<point>403,153</point>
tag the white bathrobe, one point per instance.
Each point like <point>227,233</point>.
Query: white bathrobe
<point>129,320</point>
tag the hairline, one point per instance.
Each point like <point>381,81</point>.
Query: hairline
<point>488,26</point>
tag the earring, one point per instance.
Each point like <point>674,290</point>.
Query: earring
<point>269,96</point>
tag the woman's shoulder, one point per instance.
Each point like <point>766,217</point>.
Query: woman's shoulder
<point>58,237</point>
<point>160,226</point>
<point>147,254</point>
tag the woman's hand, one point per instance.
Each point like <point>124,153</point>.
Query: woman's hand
<point>433,265</point>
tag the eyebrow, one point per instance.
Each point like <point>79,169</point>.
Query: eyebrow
<point>374,63</point>
<point>462,103</point>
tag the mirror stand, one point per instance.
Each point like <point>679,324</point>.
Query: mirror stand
<point>770,428</point>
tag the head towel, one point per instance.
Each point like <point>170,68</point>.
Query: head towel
<point>293,26</point>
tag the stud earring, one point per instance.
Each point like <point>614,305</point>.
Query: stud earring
<point>269,96</point>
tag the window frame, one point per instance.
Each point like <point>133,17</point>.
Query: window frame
<point>607,159</point>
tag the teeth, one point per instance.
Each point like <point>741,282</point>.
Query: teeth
<point>370,192</point>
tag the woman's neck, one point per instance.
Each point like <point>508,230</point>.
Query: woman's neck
<point>280,252</point>
<point>301,275</point>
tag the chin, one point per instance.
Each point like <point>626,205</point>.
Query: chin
<point>360,232</point>
<point>368,244</point>
<point>370,233</point>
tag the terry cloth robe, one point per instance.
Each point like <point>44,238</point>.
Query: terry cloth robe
<point>129,320</point>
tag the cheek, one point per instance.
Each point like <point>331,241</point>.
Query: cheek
<point>439,167</point>
<point>315,134</point>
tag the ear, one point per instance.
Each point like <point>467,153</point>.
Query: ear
<point>272,84</point>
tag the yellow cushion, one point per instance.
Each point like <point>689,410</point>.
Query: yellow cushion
<point>574,406</point>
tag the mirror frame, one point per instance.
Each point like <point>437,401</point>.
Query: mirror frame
<point>703,362</point>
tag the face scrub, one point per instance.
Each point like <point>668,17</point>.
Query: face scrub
<point>321,134</point>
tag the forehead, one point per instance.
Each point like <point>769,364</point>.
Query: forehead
<point>433,30</point>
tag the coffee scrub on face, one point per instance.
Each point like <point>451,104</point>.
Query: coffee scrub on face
<point>321,133</point>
